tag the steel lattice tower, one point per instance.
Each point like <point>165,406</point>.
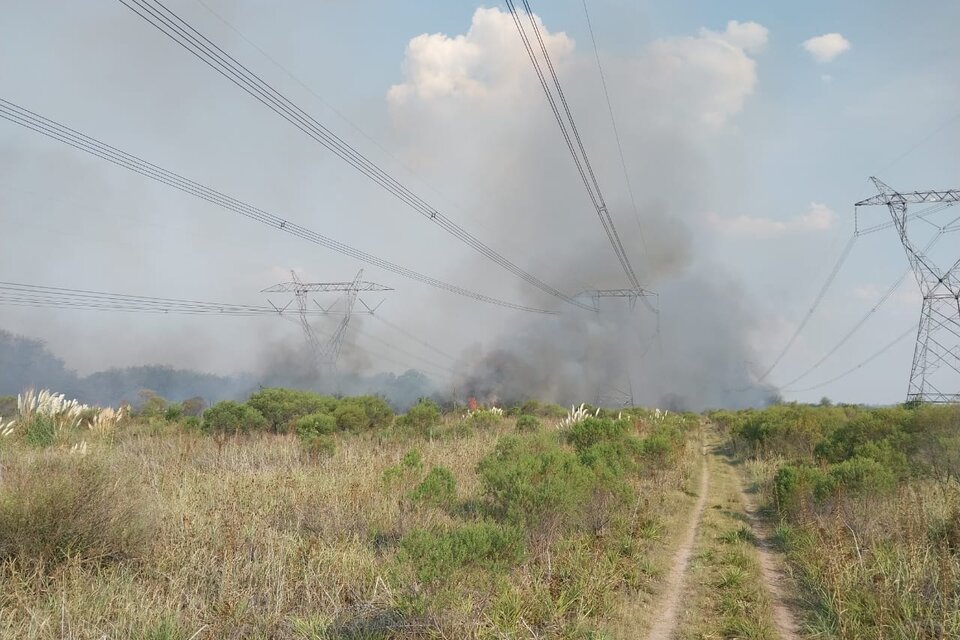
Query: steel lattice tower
<point>935,373</point>
<point>326,354</point>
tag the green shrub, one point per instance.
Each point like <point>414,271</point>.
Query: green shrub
<point>40,431</point>
<point>379,413</point>
<point>192,423</point>
<point>229,417</point>
<point>152,405</point>
<point>794,486</point>
<point>607,446</point>
<point>591,431</point>
<point>173,413</point>
<point>282,406</point>
<point>410,468</point>
<point>439,555</point>
<point>526,423</point>
<point>481,419</point>
<point>351,416</point>
<point>315,424</point>
<point>58,507</point>
<point>857,476</point>
<point>533,481</point>
<point>438,489</point>
<point>421,417</point>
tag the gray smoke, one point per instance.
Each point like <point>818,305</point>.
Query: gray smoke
<point>473,136</point>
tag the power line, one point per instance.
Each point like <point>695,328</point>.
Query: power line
<point>889,292</point>
<point>409,335</point>
<point>613,122</point>
<point>813,307</point>
<point>458,205</point>
<point>30,120</point>
<point>571,134</point>
<point>30,295</point>
<point>174,27</point>
<point>876,355</point>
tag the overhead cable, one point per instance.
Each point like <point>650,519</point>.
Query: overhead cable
<point>813,307</point>
<point>173,26</point>
<point>571,134</point>
<point>613,122</point>
<point>856,327</point>
<point>30,120</point>
<point>887,347</point>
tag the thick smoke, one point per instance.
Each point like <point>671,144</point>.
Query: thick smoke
<point>470,121</point>
<point>28,363</point>
<point>677,97</point>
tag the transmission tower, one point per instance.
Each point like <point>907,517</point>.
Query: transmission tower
<point>632,295</point>
<point>935,373</point>
<point>328,353</point>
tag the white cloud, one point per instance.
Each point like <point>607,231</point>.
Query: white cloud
<point>749,36</point>
<point>702,79</point>
<point>818,217</point>
<point>477,65</point>
<point>826,47</point>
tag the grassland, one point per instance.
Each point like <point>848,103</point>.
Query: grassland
<point>299,516</point>
<point>421,526</point>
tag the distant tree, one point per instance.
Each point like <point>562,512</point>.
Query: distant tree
<point>193,406</point>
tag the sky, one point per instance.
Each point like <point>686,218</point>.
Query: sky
<point>749,129</point>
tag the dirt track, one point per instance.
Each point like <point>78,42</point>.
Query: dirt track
<point>666,619</point>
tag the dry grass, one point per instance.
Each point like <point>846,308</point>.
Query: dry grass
<point>253,538</point>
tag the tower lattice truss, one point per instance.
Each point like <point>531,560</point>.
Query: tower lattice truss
<point>927,233</point>
<point>326,353</point>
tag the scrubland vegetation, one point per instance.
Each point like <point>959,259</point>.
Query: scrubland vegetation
<point>294,515</point>
<point>868,506</point>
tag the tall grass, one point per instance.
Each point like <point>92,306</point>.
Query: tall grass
<point>251,536</point>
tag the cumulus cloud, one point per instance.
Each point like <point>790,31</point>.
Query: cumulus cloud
<point>826,47</point>
<point>702,79</point>
<point>818,217</point>
<point>479,65</point>
<point>749,36</point>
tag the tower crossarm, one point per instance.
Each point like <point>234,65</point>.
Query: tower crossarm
<point>911,197</point>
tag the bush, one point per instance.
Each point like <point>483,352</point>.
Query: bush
<point>229,417</point>
<point>173,413</point>
<point>534,481</point>
<point>410,468</point>
<point>379,413</point>
<point>192,423</point>
<point>282,406</point>
<point>606,445</point>
<point>421,417</point>
<point>315,424</point>
<point>857,476</point>
<point>438,489</point>
<point>481,419</point>
<point>438,555</point>
<point>152,405</point>
<point>55,507</point>
<point>351,416</point>
<point>526,423</point>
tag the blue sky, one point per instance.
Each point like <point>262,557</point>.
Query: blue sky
<point>764,190</point>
